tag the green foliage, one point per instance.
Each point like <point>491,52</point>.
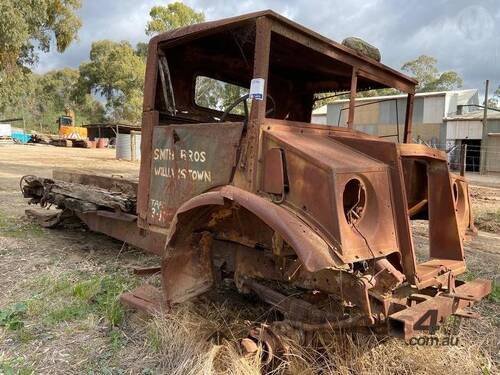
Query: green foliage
<point>15,366</point>
<point>424,69</point>
<point>71,297</point>
<point>218,95</point>
<point>26,28</point>
<point>468,276</point>
<point>11,317</point>
<point>141,50</point>
<point>172,16</point>
<point>57,90</point>
<point>74,310</point>
<point>18,228</point>
<point>493,102</point>
<point>14,84</point>
<point>29,25</point>
<point>103,292</point>
<point>116,339</point>
<point>495,293</point>
<point>41,99</point>
<point>116,72</point>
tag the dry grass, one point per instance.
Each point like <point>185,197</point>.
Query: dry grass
<point>183,344</point>
<point>488,221</point>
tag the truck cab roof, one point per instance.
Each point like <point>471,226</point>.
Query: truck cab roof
<point>300,63</point>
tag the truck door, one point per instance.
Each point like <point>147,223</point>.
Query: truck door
<point>188,160</point>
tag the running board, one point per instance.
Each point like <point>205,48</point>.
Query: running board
<point>145,298</point>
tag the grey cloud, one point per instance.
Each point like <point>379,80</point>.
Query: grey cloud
<point>461,34</point>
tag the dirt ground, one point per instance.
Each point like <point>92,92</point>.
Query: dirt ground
<point>59,312</point>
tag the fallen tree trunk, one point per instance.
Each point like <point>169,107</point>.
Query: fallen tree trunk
<point>77,197</point>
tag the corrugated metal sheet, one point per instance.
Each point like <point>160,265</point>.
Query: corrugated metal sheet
<point>124,146</point>
<point>123,149</point>
<point>493,154</point>
<point>366,114</point>
<point>494,126</point>
<point>333,113</point>
<point>418,111</point>
<point>138,146</point>
<point>433,109</point>
<point>387,112</point>
<point>318,119</point>
<point>464,129</point>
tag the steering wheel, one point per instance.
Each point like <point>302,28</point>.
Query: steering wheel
<point>244,99</point>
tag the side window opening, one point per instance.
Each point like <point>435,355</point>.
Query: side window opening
<point>218,95</point>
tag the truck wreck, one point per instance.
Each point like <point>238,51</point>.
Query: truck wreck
<point>235,182</point>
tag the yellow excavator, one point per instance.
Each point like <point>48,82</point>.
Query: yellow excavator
<point>67,128</point>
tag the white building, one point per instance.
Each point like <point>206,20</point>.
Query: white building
<point>467,129</point>
<point>380,115</point>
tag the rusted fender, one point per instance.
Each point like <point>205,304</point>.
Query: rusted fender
<point>312,250</point>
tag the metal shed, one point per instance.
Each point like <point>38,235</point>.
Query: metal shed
<point>380,115</point>
<point>467,129</point>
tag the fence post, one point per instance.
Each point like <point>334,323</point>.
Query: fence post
<point>132,145</point>
<point>463,158</point>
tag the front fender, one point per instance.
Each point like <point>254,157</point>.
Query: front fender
<point>313,251</point>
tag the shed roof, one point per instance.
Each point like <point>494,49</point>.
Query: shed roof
<point>463,96</point>
<point>475,116</point>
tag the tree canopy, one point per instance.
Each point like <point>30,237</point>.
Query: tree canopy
<point>424,69</point>
<point>116,73</point>
<point>172,16</point>
<point>28,26</point>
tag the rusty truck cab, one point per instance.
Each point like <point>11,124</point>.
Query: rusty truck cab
<point>220,168</point>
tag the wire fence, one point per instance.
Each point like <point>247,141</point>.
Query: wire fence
<point>467,156</point>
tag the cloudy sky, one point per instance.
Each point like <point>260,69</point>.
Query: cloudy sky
<point>463,35</point>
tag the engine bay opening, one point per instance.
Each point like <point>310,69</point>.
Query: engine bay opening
<point>354,201</point>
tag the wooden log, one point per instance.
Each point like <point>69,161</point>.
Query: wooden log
<point>81,198</point>
<point>116,184</point>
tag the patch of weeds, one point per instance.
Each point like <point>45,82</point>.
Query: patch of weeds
<point>103,294</point>
<point>18,227</point>
<point>495,293</point>
<point>14,366</point>
<point>468,276</point>
<point>155,340</point>
<point>103,364</point>
<point>87,289</point>
<point>117,339</point>
<point>12,316</point>
<point>25,335</point>
<point>451,325</point>
<point>73,310</point>
<point>74,296</point>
